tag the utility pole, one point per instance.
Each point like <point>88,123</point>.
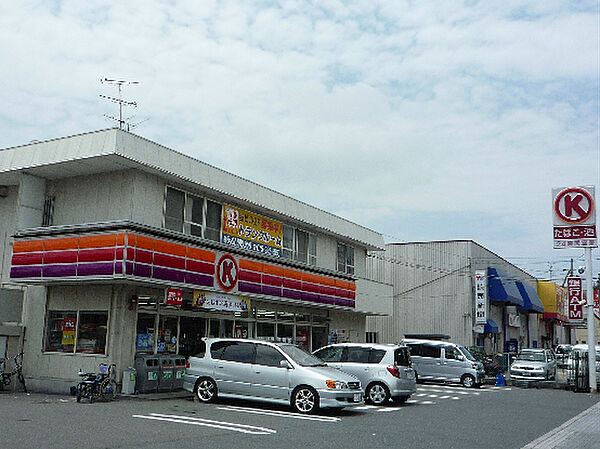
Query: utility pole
<point>590,320</point>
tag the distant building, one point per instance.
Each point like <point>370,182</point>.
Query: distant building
<point>114,246</point>
<point>458,290</point>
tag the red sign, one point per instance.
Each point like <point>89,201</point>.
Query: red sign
<point>174,297</point>
<point>574,205</point>
<point>227,272</point>
<point>575,295</point>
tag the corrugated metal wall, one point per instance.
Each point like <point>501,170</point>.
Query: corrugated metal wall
<point>433,289</point>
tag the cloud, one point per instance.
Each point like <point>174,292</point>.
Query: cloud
<point>377,111</point>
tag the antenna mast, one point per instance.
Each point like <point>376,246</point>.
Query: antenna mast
<point>119,101</point>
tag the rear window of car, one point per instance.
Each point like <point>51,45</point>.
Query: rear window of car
<point>376,355</point>
<point>357,355</point>
<point>402,357</point>
<point>238,352</point>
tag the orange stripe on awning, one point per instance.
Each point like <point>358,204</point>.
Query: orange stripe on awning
<point>98,241</point>
<point>143,242</point>
<point>272,269</point>
<point>251,265</point>
<point>62,243</point>
<point>200,254</point>
<point>169,248</point>
<point>27,246</point>
<point>292,274</point>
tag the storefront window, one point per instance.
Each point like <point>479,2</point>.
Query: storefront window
<point>191,331</point>
<point>302,337</point>
<point>60,335</point>
<point>265,331</point>
<point>242,329</point>
<point>285,332</point>
<point>146,331</point>
<point>167,335</point>
<point>285,316</point>
<point>91,335</point>
<point>319,337</point>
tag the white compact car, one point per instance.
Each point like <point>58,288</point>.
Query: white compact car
<point>534,364</point>
<point>384,370</point>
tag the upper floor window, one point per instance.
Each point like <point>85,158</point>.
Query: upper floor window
<point>299,245</point>
<point>345,258</point>
<point>191,214</point>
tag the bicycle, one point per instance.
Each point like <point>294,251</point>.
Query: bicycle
<point>17,370</point>
<point>100,385</point>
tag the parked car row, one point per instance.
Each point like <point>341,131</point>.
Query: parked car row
<point>338,375</point>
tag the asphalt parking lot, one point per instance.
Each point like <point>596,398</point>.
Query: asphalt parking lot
<point>437,416</point>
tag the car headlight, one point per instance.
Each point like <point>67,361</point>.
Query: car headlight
<point>336,385</point>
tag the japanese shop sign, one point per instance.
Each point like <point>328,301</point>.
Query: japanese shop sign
<point>575,297</point>
<point>574,217</point>
<point>253,232</point>
<point>596,304</point>
<point>174,297</point>
<point>68,331</point>
<point>481,297</point>
<point>219,301</point>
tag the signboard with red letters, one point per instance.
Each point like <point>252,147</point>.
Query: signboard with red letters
<point>575,297</point>
<point>174,297</point>
<point>574,217</point>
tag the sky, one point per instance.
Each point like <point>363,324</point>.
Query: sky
<point>422,120</point>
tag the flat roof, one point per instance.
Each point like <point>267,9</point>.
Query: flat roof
<point>115,149</point>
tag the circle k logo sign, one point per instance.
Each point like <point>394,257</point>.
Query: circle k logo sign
<point>227,272</point>
<point>574,205</point>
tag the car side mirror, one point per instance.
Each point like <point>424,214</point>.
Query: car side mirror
<point>285,364</point>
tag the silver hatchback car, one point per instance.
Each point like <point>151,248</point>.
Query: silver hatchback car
<point>534,364</point>
<point>384,370</point>
<point>266,371</point>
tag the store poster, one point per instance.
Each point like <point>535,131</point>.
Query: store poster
<point>68,331</point>
<point>219,301</point>
<point>249,231</point>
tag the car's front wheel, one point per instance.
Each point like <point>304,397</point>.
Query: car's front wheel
<point>377,394</point>
<point>305,400</point>
<point>206,390</point>
<point>467,381</point>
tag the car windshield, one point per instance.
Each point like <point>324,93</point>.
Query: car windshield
<point>466,353</point>
<point>532,356</point>
<point>300,356</point>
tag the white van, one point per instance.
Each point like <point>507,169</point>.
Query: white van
<point>444,361</point>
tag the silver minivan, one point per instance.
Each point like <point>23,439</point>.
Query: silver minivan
<point>445,361</point>
<point>385,371</point>
<point>267,371</point>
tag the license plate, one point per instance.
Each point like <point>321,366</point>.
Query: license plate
<point>357,397</point>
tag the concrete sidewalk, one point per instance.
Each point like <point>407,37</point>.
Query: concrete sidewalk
<point>580,432</point>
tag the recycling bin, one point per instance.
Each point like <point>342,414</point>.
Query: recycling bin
<point>128,385</point>
<point>166,372</point>
<point>147,372</point>
<point>179,372</point>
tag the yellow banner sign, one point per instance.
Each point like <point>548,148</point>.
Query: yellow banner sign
<point>246,230</point>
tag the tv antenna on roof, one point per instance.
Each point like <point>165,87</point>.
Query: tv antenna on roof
<point>119,101</point>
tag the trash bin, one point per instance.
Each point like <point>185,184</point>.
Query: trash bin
<point>147,371</point>
<point>179,372</point>
<point>167,368</point>
<point>128,386</point>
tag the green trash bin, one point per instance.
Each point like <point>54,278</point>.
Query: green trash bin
<point>147,373</point>
<point>166,372</point>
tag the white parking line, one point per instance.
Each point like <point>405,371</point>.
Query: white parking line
<point>243,428</point>
<point>281,414</point>
<point>437,390</point>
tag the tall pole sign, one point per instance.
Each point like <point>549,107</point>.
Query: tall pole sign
<point>574,221</point>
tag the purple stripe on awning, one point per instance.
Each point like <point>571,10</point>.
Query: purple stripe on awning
<point>57,271</point>
<point>128,268</point>
<point>248,287</point>
<point>89,269</point>
<point>327,299</point>
<point>292,294</point>
<point>26,272</point>
<point>168,274</point>
<point>118,267</point>
<point>345,302</point>
<point>312,297</point>
<point>140,270</point>
<point>272,291</point>
<point>199,279</point>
